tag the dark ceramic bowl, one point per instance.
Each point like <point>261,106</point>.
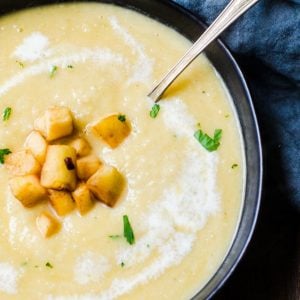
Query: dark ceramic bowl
<point>191,27</point>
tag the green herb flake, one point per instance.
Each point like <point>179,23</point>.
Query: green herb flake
<point>122,118</point>
<point>36,266</point>
<point>3,152</point>
<point>24,263</point>
<point>70,66</point>
<point>21,65</point>
<point>6,113</point>
<point>203,92</point>
<point>114,237</point>
<point>234,166</point>
<point>122,264</point>
<point>210,144</point>
<point>53,71</point>
<point>227,116</point>
<point>154,111</point>
<point>49,265</point>
<point>128,232</point>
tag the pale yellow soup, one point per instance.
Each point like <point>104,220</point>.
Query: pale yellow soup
<point>183,202</point>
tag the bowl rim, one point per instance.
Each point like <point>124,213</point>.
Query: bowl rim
<point>214,284</point>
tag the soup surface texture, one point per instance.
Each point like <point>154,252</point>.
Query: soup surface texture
<point>183,201</point>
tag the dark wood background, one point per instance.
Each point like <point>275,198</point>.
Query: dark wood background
<point>270,268</point>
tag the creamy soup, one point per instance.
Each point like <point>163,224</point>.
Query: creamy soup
<point>183,201</point>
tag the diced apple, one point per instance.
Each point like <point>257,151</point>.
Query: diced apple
<point>28,190</point>
<point>61,201</point>
<point>37,145</point>
<point>47,224</point>
<point>59,171</point>
<point>81,147</point>
<point>107,184</point>
<point>57,122</point>
<point>113,129</point>
<point>87,166</point>
<point>22,163</point>
<point>83,198</point>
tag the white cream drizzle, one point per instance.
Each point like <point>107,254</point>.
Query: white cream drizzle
<point>8,278</point>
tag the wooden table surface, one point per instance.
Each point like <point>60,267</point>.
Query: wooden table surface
<point>270,269</point>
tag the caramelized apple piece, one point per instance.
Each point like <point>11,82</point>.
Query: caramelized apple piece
<point>113,129</point>
<point>87,166</point>
<point>28,190</point>
<point>47,224</point>
<point>37,145</point>
<point>107,184</point>
<point>83,198</point>
<point>57,122</point>
<point>61,201</point>
<point>59,172</point>
<point>81,147</point>
<point>22,163</point>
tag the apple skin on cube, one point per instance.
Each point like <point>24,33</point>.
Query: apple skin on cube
<point>83,198</point>
<point>28,190</point>
<point>36,143</point>
<point>22,163</point>
<point>107,184</point>
<point>81,147</point>
<point>112,130</point>
<point>61,201</point>
<point>55,173</point>
<point>87,166</point>
<point>47,224</point>
<point>57,122</point>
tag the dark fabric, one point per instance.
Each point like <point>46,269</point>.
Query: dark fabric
<point>266,42</point>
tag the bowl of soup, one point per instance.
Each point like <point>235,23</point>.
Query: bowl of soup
<point>105,194</point>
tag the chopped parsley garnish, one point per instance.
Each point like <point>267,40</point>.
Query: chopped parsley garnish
<point>122,118</point>
<point>210,144</point>
<point>49,265</point>
<point>122,264</point>
<point>227,116</point>
<point>69,163</point>
<point>128,232</point>
<point>234,166</point>
<point>6,113</point>
<point>53,71</point>
<point>115,236</point>
<point>70,66</point>
<point>154,111</point>
<point>20,64</point>
<point>3,152</point>
<point>203,92</point>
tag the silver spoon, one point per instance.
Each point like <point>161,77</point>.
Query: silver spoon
<point>232,11</point>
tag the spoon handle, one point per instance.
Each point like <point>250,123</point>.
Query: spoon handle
<point>232,11</point>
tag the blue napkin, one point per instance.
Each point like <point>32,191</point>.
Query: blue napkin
<point>266,43</point>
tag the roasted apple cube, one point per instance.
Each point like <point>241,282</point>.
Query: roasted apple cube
<point>112,129</point>
<point>61,201</point>
<point>22,163</point>
<point>37,145</point>
<point>57,122</point>
<point>87,166</point>
<point>28,190</point>
<point>47,224</point>
<point>107,184</point>
<point>81,147</point>
<point>59,172</point>
<point>83,198</point>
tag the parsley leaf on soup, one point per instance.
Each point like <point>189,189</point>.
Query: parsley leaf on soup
<point>6,113</point>
<point>3,152</point>
<point>128,232</point>
<point>154,111</point>
<point>209,143</point>
<point>122,118</point>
